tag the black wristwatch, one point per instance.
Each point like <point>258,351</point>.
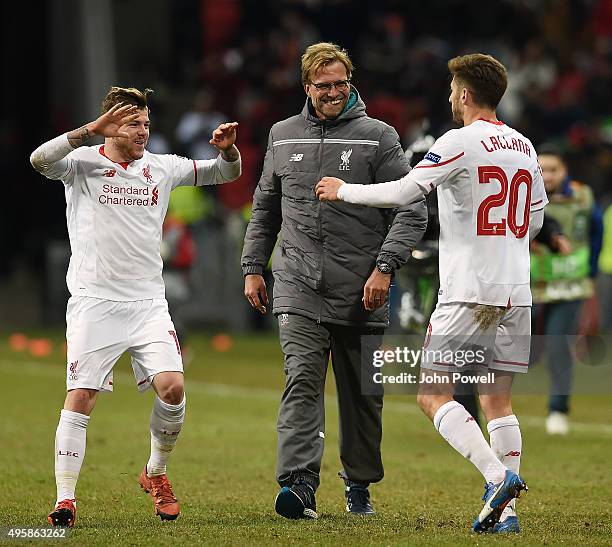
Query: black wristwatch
<point>384,267</point>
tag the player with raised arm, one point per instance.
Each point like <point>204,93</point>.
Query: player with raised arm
<point>491,198</point>
<point>117,196</point>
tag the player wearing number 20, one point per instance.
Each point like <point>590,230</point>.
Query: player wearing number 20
<point>491,198</point>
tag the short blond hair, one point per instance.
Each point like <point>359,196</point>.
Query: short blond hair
<point>125,95</point>
<point>322,54</point>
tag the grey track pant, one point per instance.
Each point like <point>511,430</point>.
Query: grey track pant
<point>307,345</point>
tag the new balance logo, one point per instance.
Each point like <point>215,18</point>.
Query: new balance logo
<point>345,158</point>
<point>470,419</point>
<point>513,453</point>
<point>296,157</point>
<point>284,319</point>
<point>109,173</point>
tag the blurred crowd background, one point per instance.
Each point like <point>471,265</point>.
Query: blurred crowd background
<point>231,60</point>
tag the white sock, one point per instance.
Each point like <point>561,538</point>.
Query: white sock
<point>166,423</point>
<point>70,440</point>
<point>507,443</point>
<point>459,429</point>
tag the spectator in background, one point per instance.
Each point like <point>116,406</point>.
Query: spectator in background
<point>531,75</point>
<point>562,281</point>
<point>553,237</point>
<point>195,127</point>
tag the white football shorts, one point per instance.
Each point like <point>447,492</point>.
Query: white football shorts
<point>456,338</point>
<point>99,331</point>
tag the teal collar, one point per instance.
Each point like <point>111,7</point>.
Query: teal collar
<point>350,103</point>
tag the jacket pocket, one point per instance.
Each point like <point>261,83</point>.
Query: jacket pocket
<point>298,263</point>
<point>299,185</point>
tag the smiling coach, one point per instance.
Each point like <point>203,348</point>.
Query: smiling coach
<point>332,275</point>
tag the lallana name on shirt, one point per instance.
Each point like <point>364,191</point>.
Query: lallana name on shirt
<point>124,195</point>
<point>502,143</point>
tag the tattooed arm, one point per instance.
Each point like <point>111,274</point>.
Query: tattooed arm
<point>49,158</point>
<point>79,136</point>
<point>231,154</point>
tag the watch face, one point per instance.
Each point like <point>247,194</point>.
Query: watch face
<point>383,267</point>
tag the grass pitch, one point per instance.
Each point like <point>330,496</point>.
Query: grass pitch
<point>223,466</point>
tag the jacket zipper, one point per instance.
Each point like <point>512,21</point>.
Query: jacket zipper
<point>319,220</point>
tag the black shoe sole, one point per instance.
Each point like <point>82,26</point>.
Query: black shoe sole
<point>289,505</point>
<point>62,518</point>
<point>165,516</point>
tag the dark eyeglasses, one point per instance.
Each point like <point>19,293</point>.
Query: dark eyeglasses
<point>340,85</point>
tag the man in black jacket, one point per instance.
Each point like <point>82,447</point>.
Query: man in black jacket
<point>332,274</point>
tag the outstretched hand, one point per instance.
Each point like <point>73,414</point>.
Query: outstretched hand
<point>327,188</point>
<point>224,136</point>
<point>110,122</point>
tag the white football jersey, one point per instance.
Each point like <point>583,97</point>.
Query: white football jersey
<point>488,182</point>
<point>115,214</point>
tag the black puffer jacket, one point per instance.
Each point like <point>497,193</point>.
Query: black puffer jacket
<point>328,250</point>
